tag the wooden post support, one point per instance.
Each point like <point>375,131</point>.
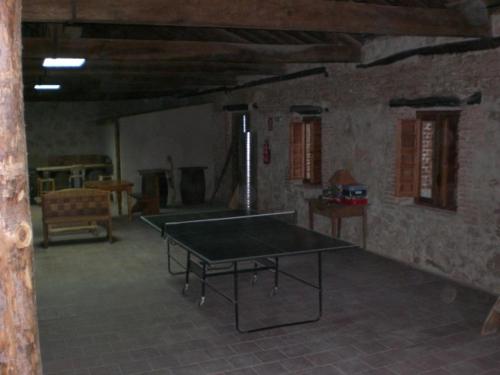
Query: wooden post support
<point>492,322</point>
<point>19,344</point>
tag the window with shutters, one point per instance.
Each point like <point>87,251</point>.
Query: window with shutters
<point>305,150</point>
<point>427,163</point>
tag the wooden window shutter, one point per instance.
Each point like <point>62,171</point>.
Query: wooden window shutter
<point>297,148</point>
<point>315,150</point>
<point>408,158</point>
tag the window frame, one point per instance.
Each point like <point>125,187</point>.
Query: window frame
<point>305,146</point>
<point>444,169</point>
<point>443,120</point>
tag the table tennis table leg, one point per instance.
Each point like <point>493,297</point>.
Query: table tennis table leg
<point>203,283</point>
<point>254,275</point>
<point>276,277</point>
<point>169,259</point>
<point>235,299</point>
<point>319,287</point>
<point>188,269</point>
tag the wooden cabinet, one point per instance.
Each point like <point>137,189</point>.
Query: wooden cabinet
<point>154,184</point>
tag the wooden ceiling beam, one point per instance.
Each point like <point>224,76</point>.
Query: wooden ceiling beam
<point>302,15</point>
<point>228,34</point>
<point>128,85</point>
<point>303,36</point>
<point>113,86</point>
<point>34,65</point>
<point>140,50</point>
<point>130,78</point>
<point>94,95</point>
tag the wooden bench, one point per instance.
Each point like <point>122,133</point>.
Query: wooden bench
<point>75,209</point>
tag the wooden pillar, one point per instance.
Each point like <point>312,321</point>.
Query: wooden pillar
<point>19,344</point>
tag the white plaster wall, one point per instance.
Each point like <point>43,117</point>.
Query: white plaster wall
<point>188,134</point>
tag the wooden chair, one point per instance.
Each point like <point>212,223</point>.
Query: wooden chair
<point>43,183</point>
<point>76,179</point>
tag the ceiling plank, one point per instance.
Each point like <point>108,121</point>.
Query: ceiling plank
<point>140,50</point>
<point>302,15</point>
<point>229,36</point>
<point>350,40</point>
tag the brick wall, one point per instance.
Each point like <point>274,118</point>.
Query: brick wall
<point>359,134</point>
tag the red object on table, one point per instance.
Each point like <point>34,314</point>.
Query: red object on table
<point>352,202</point>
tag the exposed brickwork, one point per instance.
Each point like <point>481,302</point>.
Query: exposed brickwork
<point>359,134</point>
<point>494,264</point>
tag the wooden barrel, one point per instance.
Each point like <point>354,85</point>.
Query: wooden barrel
<point>193,185</point>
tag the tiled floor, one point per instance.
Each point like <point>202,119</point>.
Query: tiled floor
<point>113,309</point>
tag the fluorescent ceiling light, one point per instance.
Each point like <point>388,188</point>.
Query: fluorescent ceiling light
<point>61,62</point>
<point>47,87</point>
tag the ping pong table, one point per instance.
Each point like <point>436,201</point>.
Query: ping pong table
<point>217,243</point>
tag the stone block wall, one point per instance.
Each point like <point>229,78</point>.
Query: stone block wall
<point>359,135</point>
<point>69,128</point>
<point>63,129</point>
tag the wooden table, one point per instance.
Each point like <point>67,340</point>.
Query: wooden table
<point>73,169</point>
<point>118,187</point>
<point>336,212</point>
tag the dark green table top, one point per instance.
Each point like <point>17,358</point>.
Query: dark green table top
<point>237,235</point>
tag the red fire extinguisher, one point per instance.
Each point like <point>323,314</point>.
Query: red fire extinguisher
<point>266,153</point>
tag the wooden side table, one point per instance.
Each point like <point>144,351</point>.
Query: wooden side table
<point>118,187</point>
<point>336,212</point>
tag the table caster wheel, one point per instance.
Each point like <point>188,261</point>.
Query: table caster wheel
<point>202,301</point>
<point>185,289</point>
<point>274,291</point>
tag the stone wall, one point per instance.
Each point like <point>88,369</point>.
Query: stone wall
<point>69,128</point>
<point>63,129</point>
<point>359,134</point>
